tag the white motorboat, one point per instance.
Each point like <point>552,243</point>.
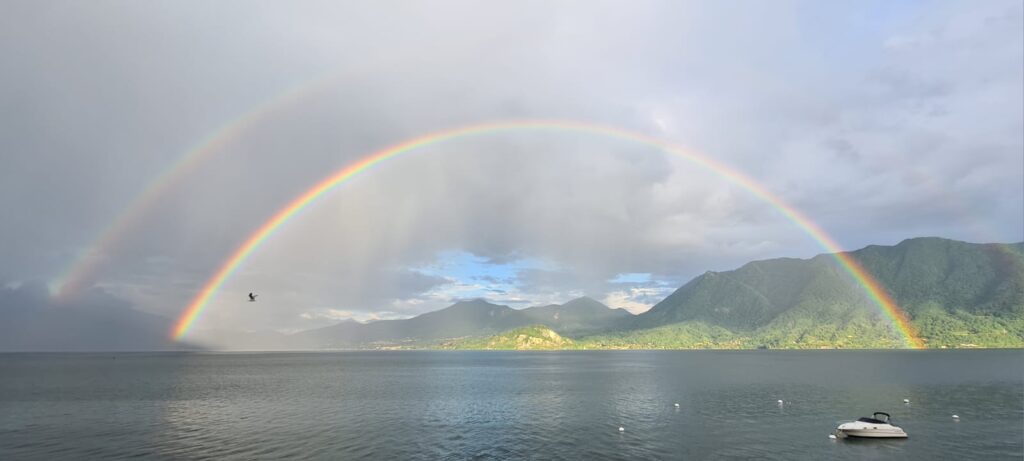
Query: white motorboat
<point>877,426</point>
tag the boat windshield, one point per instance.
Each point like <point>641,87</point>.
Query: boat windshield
<point>871,420</point>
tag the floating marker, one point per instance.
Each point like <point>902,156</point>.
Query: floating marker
<point>906,400</point>
<point>956,417</point>
<point>832,436</point>
<point>780,402</point>
<point>622,429</point>
<point>676,405</point>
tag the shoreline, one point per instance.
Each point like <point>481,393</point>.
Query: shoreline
<point>308,351</point>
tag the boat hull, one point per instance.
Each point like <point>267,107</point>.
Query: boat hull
<point>871,431</point>
<point>869,434</point>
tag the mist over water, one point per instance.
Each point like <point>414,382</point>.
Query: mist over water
<point>500,405</point>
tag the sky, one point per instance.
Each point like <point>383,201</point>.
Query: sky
<point>880,121</point>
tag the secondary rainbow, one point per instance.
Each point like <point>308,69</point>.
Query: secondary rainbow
<point>873,289</point>
<point>77,275</point>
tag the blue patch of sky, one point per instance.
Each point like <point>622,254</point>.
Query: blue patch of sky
<point>471,276</point>
<point>474,276</point>
<point>631,277</point>
<point>642,279</point>
<point>466,266</point>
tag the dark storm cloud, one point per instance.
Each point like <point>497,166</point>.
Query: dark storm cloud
<point>98,321</point>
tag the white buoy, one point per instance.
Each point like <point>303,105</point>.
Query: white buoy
<point>906,400</point>
<point>676,405</point>
<point>832,436</point>
<point>780,402</point>
<point>622,429</point>
<point>956,417</point>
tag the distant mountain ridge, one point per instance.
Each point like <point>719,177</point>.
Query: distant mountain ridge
<point>578,317</point>
<point>463,319</point>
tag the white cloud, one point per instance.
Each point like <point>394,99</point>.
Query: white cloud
<point>636,299</point>
<point>335,315</point>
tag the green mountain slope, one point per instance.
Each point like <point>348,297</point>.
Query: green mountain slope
<point>957,294</point>
<point>956,276</point>
<point>533,337</point>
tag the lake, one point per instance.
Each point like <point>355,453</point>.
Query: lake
<point>509,405</point>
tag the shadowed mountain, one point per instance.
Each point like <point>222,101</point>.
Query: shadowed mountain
<point>578,317</point>
<point>462,319</point>
<point>31,321</point>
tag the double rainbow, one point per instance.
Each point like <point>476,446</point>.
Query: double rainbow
<point>875,291</point>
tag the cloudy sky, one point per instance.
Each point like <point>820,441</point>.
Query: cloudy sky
<point>878,120</point>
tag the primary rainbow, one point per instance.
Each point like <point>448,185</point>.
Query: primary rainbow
<point>875,291</point>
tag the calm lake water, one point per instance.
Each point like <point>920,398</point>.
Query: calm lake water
<point>509,405</point>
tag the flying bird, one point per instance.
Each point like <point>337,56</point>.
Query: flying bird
<point>252,297</point>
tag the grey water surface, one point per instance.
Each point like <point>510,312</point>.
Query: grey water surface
<point>508,405</point>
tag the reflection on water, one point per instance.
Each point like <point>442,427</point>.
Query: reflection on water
<point>552,405</point>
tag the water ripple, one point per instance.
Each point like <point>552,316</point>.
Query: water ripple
<point>480,405</point>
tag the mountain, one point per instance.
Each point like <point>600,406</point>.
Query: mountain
<point>924,273</point>
<point>463,319</point>
<point>748,297</point>
<point>580,316</point>
<point>956,294</point>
